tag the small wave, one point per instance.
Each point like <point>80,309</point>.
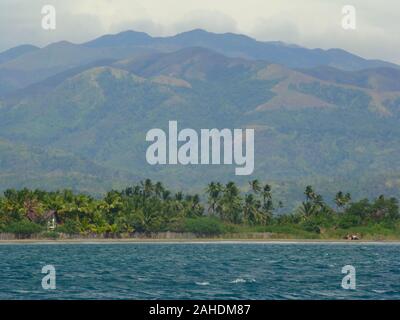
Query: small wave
<point>203,283</point>
<point>241,280</point>
<point>380,291</point>
<point>22,291</point>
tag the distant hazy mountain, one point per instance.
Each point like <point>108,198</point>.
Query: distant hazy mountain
<point>381,79</point>
<point>235,45</point>
<point>25,65</point>
<point>15,52</point>
<point>53,59</point>
<point>78,114</point>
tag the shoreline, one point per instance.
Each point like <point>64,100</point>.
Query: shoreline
<point>197,241</point>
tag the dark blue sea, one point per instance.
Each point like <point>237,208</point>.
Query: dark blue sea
<point>200,271</point>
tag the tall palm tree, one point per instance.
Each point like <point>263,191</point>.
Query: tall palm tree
<point>267,197</point>
<point>341,200</point>
<point>166,195</point>
<point>147,188</point>
<point>319,201</point>
<point>231,203</point>
<point>310,194</point>
<point>307,209</point>
<point>214,191</point>
<point>255,186</point>
<point>158,189</point>
<point>347,197</point>
<point>248,209</point>
<point>179,196</point>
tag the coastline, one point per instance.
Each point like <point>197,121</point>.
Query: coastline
<point>196,241</point>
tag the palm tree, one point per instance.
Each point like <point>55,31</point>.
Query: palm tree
<point>195,208</point>
<point>231,203</point>
<point>314,203</point>
<point>179,196</point>
<point>307,209</point>
<point>158,189</point>
<point>147,188</point>
<point>339,200</point>
<point>249,209</point>
<point>129,192</point>
<point>310,194</point>
<point>267,198</point>
<point>214,193</point>
<point>319,201</point>
<point>347,197</point>
<point>166,195</point>
<point>255,186</point>
<point>342,200</point>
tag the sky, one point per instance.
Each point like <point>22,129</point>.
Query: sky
<point>309,23</point>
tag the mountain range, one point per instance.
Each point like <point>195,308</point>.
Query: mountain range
<point>76,115</point>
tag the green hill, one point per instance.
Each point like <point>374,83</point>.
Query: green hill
<point>325,127</point>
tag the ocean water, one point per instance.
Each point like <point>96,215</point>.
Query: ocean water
<point>200,271</point>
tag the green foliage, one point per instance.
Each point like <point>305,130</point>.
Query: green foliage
<point>101,116</point>
<point>348,221</point>
<point>23,228</point>
<point>150,207</point>
<point>336,95</point>
<point>204,226</point>
<point>311,226</point>
<point>53,235</point>
<point>69,227</point>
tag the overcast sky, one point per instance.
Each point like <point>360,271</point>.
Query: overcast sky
<point>310,23</point>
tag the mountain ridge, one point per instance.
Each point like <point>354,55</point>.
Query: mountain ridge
<point>322,126</point>
<point>27,66</point>
<point>213,41</point>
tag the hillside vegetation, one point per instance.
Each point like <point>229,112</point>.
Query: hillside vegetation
<point>149,208</point>
<point>76,115</point>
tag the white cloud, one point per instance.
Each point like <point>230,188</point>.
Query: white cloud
<point>213,21</point>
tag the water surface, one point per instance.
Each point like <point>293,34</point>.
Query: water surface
<point>200,271</point>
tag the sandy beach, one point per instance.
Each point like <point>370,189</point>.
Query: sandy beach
<point>197,241</point>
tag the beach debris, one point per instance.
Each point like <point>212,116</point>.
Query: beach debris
<point>352,237</point>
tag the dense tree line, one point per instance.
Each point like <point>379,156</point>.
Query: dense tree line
<point>151,207</point>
